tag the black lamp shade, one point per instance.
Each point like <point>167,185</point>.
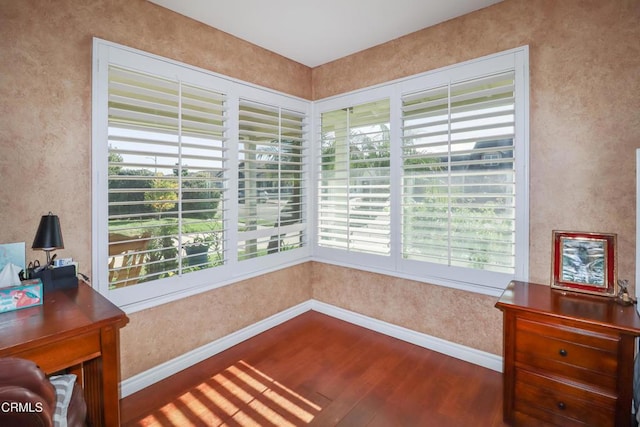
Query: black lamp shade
<point>48,236</point>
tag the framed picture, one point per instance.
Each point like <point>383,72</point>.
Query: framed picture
<point>584,262</point>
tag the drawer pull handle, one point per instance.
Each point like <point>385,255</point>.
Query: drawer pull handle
<point>561,406</point>
<point>563,352</point>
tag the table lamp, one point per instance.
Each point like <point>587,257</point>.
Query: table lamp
<point>48,237</point>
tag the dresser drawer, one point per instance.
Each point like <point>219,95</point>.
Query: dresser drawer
<point>561,403</point>
<point>583,355</point>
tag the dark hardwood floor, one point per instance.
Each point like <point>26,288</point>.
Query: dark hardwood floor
<point>320,371</point>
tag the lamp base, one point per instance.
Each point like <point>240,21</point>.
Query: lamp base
<point>64,277</point>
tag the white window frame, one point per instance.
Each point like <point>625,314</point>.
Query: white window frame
<point>146,295</point>
<point>479,281</point>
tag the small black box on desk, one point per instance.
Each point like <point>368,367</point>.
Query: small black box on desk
<point>64,277</point>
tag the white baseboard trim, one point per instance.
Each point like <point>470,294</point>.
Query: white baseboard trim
<point>468,354</point>
<point>173,366</point>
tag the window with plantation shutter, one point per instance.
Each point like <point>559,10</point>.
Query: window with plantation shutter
<point>458,174</point>
<point>271,180</point>
<point>198,179</point>
<point>426,177</point>
<point>354,179</point>
<point>167,153</point>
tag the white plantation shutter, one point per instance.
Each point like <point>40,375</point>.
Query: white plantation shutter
<point>354,179</point>
<point>458,174</point>
<point>271,179</point>
<point>166,180</point>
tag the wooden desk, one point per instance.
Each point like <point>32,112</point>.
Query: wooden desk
<point>77,330</point>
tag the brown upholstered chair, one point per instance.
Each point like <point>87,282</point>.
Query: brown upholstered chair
<point>29,398</point>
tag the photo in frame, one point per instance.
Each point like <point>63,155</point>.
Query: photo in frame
<point>584,262</point>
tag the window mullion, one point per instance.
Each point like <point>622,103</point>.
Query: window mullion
<point>179,168</point>
<point>348,112</point>
<point>449,179</point>
<point>231,180</point>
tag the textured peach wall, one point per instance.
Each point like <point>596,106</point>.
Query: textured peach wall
<point>584,130</point>
<point>450,314</point>
<point>45,113</point>
<point>585,126</point>
<point>167,331</point>
<point>45,140</point>
<point>585,108</point>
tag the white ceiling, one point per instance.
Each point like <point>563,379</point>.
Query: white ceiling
<point>320,31</point>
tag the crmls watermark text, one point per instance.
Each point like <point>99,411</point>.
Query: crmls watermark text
<point>7,407</point>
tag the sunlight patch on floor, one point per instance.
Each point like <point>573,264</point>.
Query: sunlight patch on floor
<point>241,395</point>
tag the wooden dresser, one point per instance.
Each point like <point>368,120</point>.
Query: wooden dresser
<point>568,357</point>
